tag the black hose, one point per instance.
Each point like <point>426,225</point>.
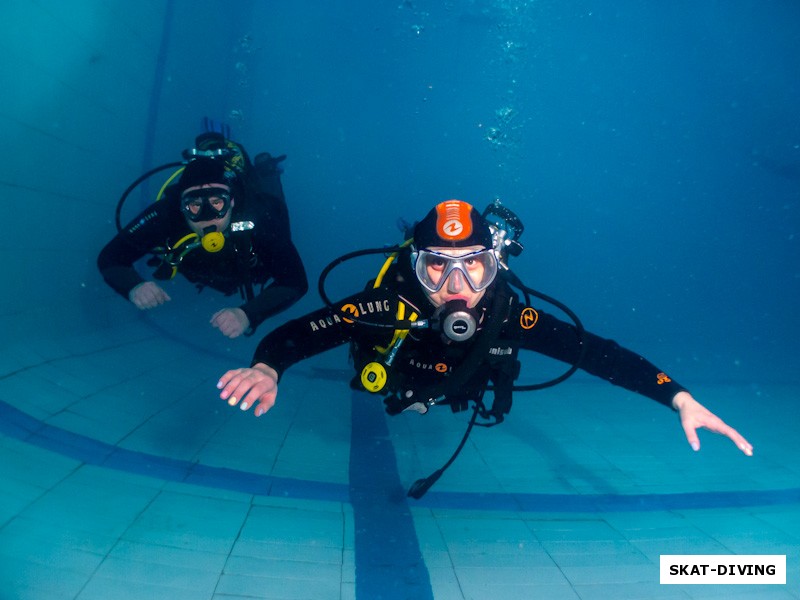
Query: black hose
<point>515,281</point>
<point>420,487</point>
<point>345,257</point>
<point>133,186</point>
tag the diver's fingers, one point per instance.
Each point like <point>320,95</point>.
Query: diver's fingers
<point>710,421</point>
<point>231,381</point>
<point>151,295</point>
<point>235,376</point>
<point>247,387</point>
<point>232,322</point>
<point>161,296</point>
<point>224,380</point>
<point>148,295</point>
<point>225,322</point>
<point>740,442</point>
<point>265,402</point>
<point>691,436</point>
<point>717,425</point>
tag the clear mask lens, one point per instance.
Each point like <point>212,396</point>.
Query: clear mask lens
<point>477,269</point>
<point>205,204</point>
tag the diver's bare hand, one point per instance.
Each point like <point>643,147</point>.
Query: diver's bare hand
<point>232,322</point>
<point>148,295</point>
<point>246,387</point>
<point>694,416</point>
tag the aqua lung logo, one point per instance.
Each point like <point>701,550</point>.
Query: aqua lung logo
<point>141,222</point>
<point>528,318</point>
<point>453,220</point>
<point>453,228</point>
<point>356,310</point>
<point>318,324</point>
<point>438,367</point>
<point>460,327</point>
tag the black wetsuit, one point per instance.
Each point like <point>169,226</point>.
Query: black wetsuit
<point>264,256</point>
<point>425,359</point>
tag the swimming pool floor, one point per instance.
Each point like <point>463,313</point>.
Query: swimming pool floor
<point>124,476</point>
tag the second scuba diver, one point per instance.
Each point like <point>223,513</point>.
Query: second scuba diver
<point>224,225</point>
<point>441,323</point>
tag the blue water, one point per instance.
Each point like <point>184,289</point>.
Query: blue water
<point>652,151</point>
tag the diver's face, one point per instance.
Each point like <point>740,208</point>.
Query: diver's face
<point>455,286</point>
<point>215,202</point>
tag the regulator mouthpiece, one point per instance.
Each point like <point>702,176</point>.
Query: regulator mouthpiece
<point>456,321</point>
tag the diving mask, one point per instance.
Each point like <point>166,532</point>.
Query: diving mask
<point>206,203</point>
<point>478,269</point>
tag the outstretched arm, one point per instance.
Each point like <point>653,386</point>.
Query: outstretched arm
<point>694,416</point>
<point>606,359</point>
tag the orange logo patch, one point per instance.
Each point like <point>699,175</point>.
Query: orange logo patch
<point>453,220</point>
<point>351,309</point>
<point>441,368</point>
<point>662,378</point>
<point>528,318</point>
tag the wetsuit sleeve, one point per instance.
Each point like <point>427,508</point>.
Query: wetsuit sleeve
<point>274,246</point>
<point>326,329</point>
<point>117,258</point>
<point>604,358</point>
